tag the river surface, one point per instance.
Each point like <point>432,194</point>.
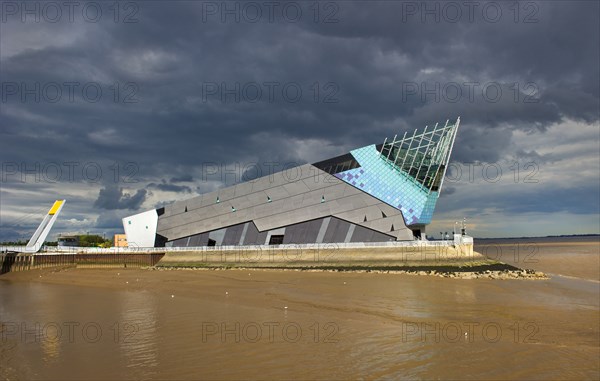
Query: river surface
<point>121,324</point>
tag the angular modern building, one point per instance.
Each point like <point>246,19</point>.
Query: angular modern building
<point>383,192</point>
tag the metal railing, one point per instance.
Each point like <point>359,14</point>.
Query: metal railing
<point>53,250</point>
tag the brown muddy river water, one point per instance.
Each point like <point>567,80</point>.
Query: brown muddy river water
<point>117,324</point>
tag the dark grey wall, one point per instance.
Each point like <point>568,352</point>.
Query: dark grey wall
<point>303,232</point>
<point>335,231</point>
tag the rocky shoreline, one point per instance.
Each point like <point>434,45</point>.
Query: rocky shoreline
<point>490,274</point>
<point>497,271</point>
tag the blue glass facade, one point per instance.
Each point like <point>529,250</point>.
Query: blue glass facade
<point>386,182</point>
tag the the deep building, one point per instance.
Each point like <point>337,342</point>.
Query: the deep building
<point>375,193</point>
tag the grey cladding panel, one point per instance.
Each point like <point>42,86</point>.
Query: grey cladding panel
<point>233,234</point>
<point>362,234</point>
<point>336,231</point>
<point>261,238</point>
<point>295,188</point>
<point>209,198</point>
<point>199,240</point>
<point>276,193</point>
<point>273,180</point>
<point>251,235</point>
<point>243,189</point>
<point>380,237</point>
<point>303,232</point>
<point>304,206</point>
<point>181,242</point>
<point>226,194</point>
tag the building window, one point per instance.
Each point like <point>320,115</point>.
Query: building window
<point>276,239</point>
<point>211,242</point>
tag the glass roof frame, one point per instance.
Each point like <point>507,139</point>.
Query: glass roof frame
<point>428,149</point>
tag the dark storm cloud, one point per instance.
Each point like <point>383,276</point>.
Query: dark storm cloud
<point>113,197</point>
<point>108,220</point>
<point>448,190</point>
<point>164,186</point>
<point>182,179</point>
<point>533,156</point>
<point>370,54</point>
<point>367,76</point>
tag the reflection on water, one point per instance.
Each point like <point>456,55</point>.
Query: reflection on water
<point>50,343</point>
<point>283,325</point>
<point>576,257</point>
<point>136,331</point>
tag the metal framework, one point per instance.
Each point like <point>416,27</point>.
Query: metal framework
<point>422,157</point>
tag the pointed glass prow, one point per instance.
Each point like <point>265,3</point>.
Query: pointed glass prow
<point>422,156</point>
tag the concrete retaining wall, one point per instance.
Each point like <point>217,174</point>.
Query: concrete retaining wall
<point>331,256</point>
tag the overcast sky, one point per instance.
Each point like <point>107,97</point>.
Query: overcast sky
<point>123,109</point>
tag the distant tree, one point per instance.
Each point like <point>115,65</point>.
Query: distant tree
<point>106,244</point>
<point>13,243</point>
<point>92,240</point>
